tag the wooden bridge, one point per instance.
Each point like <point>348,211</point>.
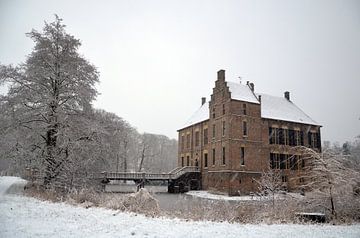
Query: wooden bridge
<point>180,179</point>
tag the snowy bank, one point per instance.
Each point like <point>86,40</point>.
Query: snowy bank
<point>27,217</point>
<point>208,195</point>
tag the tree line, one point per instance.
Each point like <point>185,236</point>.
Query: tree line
<point>48,122</point>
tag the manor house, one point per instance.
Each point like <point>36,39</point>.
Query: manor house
<point>240,133</point>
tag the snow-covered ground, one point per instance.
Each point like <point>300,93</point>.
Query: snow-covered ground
<point>207,195</point>
<point>27,217</point>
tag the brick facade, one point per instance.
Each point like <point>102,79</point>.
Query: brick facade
<point>239,137</point>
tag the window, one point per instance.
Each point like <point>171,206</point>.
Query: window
<point>286,136</point>
<point>301,138</point>
<point>223,109</point>
<point>242,156</point>
<point>206,136</point>
<point>223,128</point>
<point>182,142</point>
<point>274,161</point>
<point>244,109</point>
<point>197,139</point>
<point>213,112</point>
<point>213,131</point>
<point>187,160</point>
<point>205,160</point>
<point>318,140</point>
<point>245,131</point>
<point>182,161</point>
<point>273,135</point>
<point>282,161</point>
<point>314,140</point>
<point>310,139</point>
<point>281,136</point>
<point>293,162</point>
<point>188,141</point>
<point>291,137</point>
<point>297,138</point>
<point>213,156</point>
<point>223,155</point>
<point>276,141</point>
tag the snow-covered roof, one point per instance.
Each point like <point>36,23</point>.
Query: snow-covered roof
<point>279,108</point>
<point>276,108</point>
<point>241,92</point>
<point>202,114</point>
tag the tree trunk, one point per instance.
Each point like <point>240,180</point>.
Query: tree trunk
<point>142,158</point>
<point>333,212</point>
<point>53,165</point>
<point>125,156</point>
<point>51,162</point>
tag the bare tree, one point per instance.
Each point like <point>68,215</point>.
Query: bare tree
<point>157,153</point>
<point>328,178</point>
<point>270,184</point>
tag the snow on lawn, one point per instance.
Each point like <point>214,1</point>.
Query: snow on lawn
<point>27,217</point>
<point>207,195</point>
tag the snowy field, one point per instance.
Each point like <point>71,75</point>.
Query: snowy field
<point>27,217</point>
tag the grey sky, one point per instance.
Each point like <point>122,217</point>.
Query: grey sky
<point>158,58</point>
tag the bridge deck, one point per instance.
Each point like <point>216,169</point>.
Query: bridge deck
<point>174,174</point>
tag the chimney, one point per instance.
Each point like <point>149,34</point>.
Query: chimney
<point>203,101</point>
<point>221,75</point>
<point>252,87</point>
<point>259,98</point>
<point>287,95</point>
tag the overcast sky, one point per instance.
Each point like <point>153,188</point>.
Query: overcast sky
<point>158,58</point>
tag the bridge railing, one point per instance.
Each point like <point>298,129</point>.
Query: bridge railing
<point>174,174</point>
<point>175,170</point>
<point>184,170</point>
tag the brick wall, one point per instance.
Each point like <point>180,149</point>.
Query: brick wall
<point>232,177</point>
